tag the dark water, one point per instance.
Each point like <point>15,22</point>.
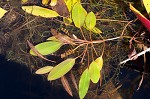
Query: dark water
<point>131,84</point>
<point>17,82</point>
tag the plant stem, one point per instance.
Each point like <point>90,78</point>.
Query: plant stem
<point>101,41</point>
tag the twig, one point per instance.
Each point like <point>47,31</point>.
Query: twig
<point>125,27</point>
<point>112,20</point>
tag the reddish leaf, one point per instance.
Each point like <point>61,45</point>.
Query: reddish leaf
<point>132,53</point>
<point>74,81</point>
<point>141,17</point>
<point>65,84</point>
<point>61,8</point>
<point>62,38</point>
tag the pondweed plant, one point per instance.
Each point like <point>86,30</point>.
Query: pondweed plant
<point>81,19</point>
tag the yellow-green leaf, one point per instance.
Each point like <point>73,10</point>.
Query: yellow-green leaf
<point>78,15</point>
<point>2,12</point>
<point>99,61</point>
<point>46,48</point>
<point>24,1</point>
<point>84,84</point>
<point>53,2</point>
<point>147,6</point>
<point>96,30</point>
<point>90,20</point>
<point>40,11</point>
<point>61,69</point>
<point>53,38</point>
<point>75,1</point>
<point>44,70</point>
<point>70,4</point>
<point>94,72</point>
<point>45,2</point>
<point>67,20</point>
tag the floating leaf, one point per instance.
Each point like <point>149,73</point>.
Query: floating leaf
<point>90,20</point>
<point>94,72</point>
<point>24,1</point>
<point>75,1</point>
<point>99,61</point>
<point>47,48</point>
<point>61,69</point>
<point>61,8</point>
<point>66,85</point>
<point>141,17</point>
<point>78,15</point>
<point>45,2</point>
<point>40,11</point>
<point>2,12</point>
<point>84,84</point>
<point>67,21</point>
<point>44,70</point>
<point>70,4</point>
<point>147,6</point>
<point>132,52</point>
<point>96,30</point>
<point>62,37</point>
<point>36,52</point>
<point>53,38</point>
<point>53,2</point>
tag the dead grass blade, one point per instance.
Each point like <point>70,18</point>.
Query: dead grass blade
<point>37,52</point>
<point>66,85</point>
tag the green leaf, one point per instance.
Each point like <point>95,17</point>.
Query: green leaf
<point>99,61</point>
<point>90,20</point>
<point>40,11</point>
<point>78,15</point>
<point>84,84</point>
<point>94,72</point>
<point>61,69</point>
<point>46,48</point>
<point>44,70</point>
<point>2,12</point>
